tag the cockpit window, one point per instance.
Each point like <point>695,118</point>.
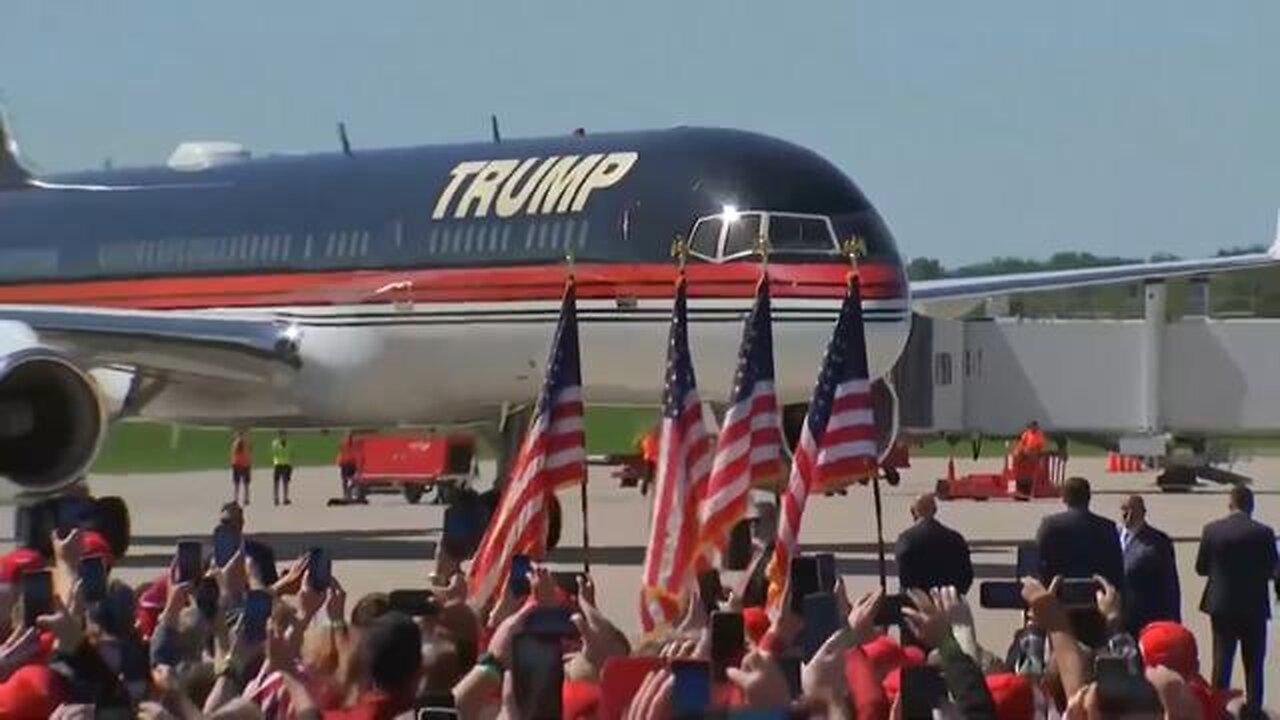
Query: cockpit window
<point>791,233</point>
<point>744,233</point>
<point>706,238</point>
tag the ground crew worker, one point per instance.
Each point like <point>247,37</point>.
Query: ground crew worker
<point>348,459</point>
<point>281,467</point>
<point>1026,457</point>
<point>241,463</point>
<point>649,454</point>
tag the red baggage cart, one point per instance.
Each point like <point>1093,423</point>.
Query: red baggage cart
<point>411,464</point>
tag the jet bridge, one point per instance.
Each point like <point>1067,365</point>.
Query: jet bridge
<point>1143,382</point>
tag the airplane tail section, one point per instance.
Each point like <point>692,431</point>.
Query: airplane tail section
<point>13,176</point>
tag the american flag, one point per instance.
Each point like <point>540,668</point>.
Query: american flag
<point>749,447</point>
<point>684,465</point>
<point>552,455</point>
<point>837,442</point>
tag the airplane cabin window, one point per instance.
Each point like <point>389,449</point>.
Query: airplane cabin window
<point>742,237</point>
<point>806,234</point>
<point>705,241</point>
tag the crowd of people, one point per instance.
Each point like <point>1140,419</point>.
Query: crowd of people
<point>231,636</point>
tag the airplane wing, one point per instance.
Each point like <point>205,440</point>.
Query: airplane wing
<point>951,296</point>
<point>182,344</point>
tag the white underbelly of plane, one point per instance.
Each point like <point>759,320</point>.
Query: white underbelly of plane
<point>454,362</point>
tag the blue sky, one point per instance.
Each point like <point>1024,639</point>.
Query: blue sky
<point>978,128</point>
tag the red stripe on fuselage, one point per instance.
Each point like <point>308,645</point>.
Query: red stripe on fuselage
<point>879,280</point>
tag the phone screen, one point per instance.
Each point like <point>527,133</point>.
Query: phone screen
<point>804,581</point>
<point>821,620</point>
<point>225,545</point>
<point>73,512</point>
<point>37,596</point>
<point>826,571</point>
<point>414,603</point>
<point>189,562</point>
<point>93,578</point>
<point>922,692</point>
<point>567,582</point>
<point>463,526</point>
<point>691,692</point>
<point>518,583</point>
<point>1001,595</point>
<point>253,620</point>
<point>550,622</point>
<point>318,569</point>
<point>537,669</point>
<point>710,589</point>
<point>791,671</point>
<point>728,641</point>
<point>1078,592</point>
<point>206,597</point>
<point>1028,561</point>
<point>890,612</point>
<point>435,706</point>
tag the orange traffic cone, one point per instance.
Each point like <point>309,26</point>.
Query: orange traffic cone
<point>1113,462</point>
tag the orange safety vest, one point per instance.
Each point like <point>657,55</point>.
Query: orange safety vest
<point>1031,441</point>
<point>239,453</point>
<point>649,446</point>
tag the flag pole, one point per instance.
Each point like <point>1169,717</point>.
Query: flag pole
<point>853,248</point>
<point>586,525</point>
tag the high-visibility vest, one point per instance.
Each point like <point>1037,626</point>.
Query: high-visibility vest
<point>281,453</point>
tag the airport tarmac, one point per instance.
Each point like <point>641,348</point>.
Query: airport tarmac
<point>387,544</point>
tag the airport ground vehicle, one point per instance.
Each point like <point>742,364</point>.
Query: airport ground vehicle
<point>412,464</point>
<point>1047,474</point>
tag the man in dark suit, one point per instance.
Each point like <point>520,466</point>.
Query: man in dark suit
<point>1150,570</point>
<point>930,554</point>
<point>1077,543</point>
<point>1238,555</point>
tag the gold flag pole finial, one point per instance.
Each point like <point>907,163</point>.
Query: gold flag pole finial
<point>763,248</point>
<point>854,248</point>
<point>680,251</point>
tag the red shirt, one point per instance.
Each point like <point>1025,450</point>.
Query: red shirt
<point>33,691</point>
<point>239,454</point>
<point>347,452</point>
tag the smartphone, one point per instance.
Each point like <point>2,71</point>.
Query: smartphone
<point>1001,595</point>
<point>790,665</point>
<point>1078,592</point>
<point>728,641</point>
<point>710,590</point>
<point>463,527</point>
<point>414,603</point>
<point>567,582</point>
<point>37,596</point>
<point>72,513</point>
<point>890,611</point>
<point>537,670</point>
<point>435,706</point>
<point>826,571</point>
<point>518,583</point>
<point>206,597</point>
<point>93,578</point>
<point>253,618</point>
<point>1111,667</point>
<point>804,581</point>
<point>225,544</point>
<point>550,622</point>
<point>821,620</point>
<point>691,692</point>
<point>737,554</point>
<point>190,561</point>
<point>318,569</point>
<point>922,692</point>
<point>1028,561</point>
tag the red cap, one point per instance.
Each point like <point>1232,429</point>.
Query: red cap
<point>16,562</point>
<point>1171,645</point>
<point>93,543</point>
<point>1013,695</point>
<point>580,699</point>
<point>756,622</point>
<point>885,654</point>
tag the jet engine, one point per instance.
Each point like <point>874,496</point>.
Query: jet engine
<point>52,419</point>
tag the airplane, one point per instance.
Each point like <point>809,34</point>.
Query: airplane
<point>362,288</point>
